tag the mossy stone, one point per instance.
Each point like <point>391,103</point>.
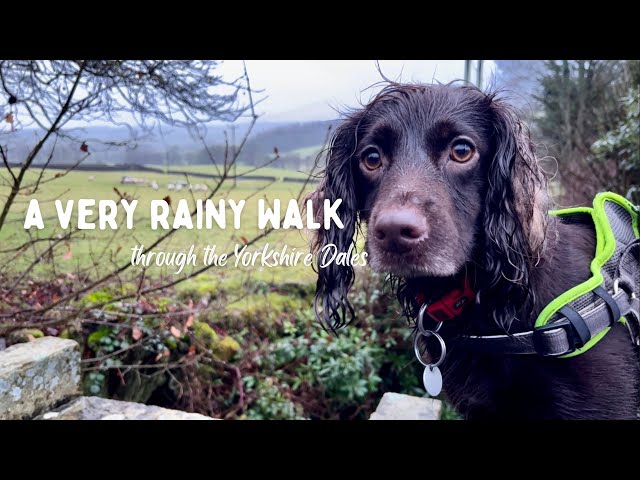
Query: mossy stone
<point>24,335</point>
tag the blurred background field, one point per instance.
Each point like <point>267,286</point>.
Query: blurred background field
<point>100,185</point>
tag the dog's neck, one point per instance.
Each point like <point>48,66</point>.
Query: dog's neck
<point>566,245</point>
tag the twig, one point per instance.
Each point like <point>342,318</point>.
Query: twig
<point>6,164</point>
<point>25,167</point>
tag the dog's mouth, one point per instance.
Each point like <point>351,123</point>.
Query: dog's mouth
<point>407,242</point>
<point>419,261</point>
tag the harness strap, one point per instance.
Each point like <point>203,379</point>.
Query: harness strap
<point>613,306</point>
<point>557,338</point>
<point>576,323</point>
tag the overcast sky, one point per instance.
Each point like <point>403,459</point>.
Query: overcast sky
<point>302,90</point>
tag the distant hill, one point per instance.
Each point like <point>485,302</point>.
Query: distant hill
<point>291,139</point>
<point>298,144</point>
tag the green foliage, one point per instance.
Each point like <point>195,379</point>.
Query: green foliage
<point>103,343</point>
<point>271,403</point>
<point>571,92</point>
<point>97,298</point>
<point>345,368</point>
<point>100,297</point>
<point>623,144</point>
<point>261,357</point>
<point>337,376</point>
<point>94,383</point>
<point>102,335</point>
<point>448,412</point>
<point>580,106</point>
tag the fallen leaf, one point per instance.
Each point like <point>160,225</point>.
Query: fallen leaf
<point>136,333</point>
<point>192,351</point>
<point>175,331</point>
<point>189,322</point>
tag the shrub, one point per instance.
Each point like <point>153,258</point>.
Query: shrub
<point>263,357</point>
<point>272,402</point>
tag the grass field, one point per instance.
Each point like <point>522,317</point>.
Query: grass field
<point>87,246</point>
<point>306,151</point>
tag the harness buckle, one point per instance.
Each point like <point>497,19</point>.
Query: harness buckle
<point>564,324</point>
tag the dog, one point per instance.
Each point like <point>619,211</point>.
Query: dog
<point>446,180</point>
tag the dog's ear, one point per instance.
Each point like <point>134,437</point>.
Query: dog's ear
<point>331,305</point>
<point>515,216</point>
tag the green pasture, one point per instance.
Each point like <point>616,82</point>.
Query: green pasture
<point>98,251</point>
<point>304,152</point>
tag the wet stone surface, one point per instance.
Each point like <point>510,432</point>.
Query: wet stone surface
<point>397,406</point>
<point>37,376</point>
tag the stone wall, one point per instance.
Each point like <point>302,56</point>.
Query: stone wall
<point>40,380</point>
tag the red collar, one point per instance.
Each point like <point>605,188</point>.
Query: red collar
<point>451,305</point>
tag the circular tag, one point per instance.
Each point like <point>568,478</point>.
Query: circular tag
<point>432,379</point>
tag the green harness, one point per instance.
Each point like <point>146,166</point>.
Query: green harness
<point>580,317</point>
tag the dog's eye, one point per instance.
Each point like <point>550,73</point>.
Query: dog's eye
<point>371,159</point>
<point>462,151</point>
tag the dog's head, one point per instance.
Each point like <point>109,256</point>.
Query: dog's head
<point>443,176</point>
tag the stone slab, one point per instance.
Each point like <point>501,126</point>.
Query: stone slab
<point>397,406</point>
<point>37,376</point>
<point>96,408</point>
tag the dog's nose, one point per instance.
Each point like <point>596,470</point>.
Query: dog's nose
<point>400,229</point>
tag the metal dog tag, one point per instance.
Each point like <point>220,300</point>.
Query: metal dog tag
<point>432,379</point>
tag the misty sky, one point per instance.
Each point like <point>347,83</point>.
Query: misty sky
<point>302,90</point>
